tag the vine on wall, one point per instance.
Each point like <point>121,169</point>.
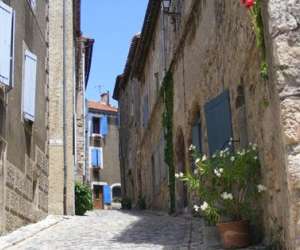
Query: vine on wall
<point>254,7</point>
<point>167,122</point>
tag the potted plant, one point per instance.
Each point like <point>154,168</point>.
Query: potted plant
<point>228,186</point>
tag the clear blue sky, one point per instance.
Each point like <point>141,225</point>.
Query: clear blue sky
<point>112,23</point>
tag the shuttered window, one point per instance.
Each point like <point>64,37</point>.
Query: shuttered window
<point>104,125</point>
<point>29,85</point>
<point>6,43</point>
<point>218,119</point>
<point>96,158</point>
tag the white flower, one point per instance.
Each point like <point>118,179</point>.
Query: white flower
<point>227,196</point>
<point>180,175</point>
<point>204,206</point>
<point>217,172</point>
<point>232,158</point>
<point>231,139</point>
<point>230,143</point>
<point>195,171</point>
<point>261,188</point>
<point>192,147</point>
<point>176,175</point>
<point>254,146</point>
<point>214,156</point>
<point>196,208</point>
<point>204,158</point>
<point>255,157</point>
<point>221,170</point>
<point>197,160</point>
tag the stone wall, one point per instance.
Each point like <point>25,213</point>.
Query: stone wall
<point>282,20</point>
<point>56,142</point>
<point>23,146</point>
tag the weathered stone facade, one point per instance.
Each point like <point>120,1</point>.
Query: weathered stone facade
<point>84,50</point>
<point>57,144</point>
<point>23,144</point>
<point>210,48</point>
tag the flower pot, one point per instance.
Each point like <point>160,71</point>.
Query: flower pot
<point>235,234</point>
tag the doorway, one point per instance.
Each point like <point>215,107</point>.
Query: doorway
<point>98,197</point>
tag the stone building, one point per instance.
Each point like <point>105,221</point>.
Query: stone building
<point>23,112</point>
<point>84,51</point>
<point>69,65</point>
<point>103,152</point>
<point>209,47</point>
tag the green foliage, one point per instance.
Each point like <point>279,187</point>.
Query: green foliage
<point>264,70</point>
<point>83,198</point>
<point>142,202</point>
<point>126,203</point>
<point>227,183</point>
<point>258,27</point>
<point>167,122</point>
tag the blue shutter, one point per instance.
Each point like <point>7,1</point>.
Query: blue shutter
<point>104,125</point>
<point>100,158</point>
<point>107,194</point>
<point>6,43</point>
<point>29,87</point>
<point>218,119</point>
<point>94,157</point>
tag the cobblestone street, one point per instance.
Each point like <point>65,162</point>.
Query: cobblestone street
<point>116,229</point>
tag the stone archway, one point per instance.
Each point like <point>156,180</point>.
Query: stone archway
<point>180,163</point>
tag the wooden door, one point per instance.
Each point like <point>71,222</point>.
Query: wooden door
<point>98,197</point>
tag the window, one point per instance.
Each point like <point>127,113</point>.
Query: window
<point>29,85</point>
<point>32,4</point>
<point>196,133</point>
<point>96,156</point>
<point>96,125</point>
<point>218,119</point>
<point>6,44</point>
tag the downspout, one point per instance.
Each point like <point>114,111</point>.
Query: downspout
<point>64,110</point>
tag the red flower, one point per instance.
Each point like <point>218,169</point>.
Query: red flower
<point>249,3</point>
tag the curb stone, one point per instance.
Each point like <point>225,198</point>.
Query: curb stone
<point>29,231</point>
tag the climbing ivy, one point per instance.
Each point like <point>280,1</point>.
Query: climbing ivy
<point>257,22</point>
<point>167,93</point>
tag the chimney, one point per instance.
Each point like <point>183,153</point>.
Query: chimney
<point>105,98</point>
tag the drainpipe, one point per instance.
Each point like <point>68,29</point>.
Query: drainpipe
<point>84,114</point>
<point>64,110</point>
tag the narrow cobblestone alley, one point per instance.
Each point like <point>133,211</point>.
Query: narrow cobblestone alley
<point>116,229</point>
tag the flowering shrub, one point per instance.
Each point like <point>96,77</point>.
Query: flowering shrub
<point>227,183</point>
<point>254,7</point>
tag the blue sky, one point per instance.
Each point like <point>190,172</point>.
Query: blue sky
<point>112,24</point>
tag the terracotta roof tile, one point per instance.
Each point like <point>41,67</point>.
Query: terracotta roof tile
<point>101,106</point>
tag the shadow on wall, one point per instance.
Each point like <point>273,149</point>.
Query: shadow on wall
<point>169,232</point>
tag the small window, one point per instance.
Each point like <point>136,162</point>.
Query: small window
<point>33,4</point>
<point>29,85</point>
<point>196,133</point>
<point>96,125</point>
<point>6,44</point>
<point>96,156</point>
